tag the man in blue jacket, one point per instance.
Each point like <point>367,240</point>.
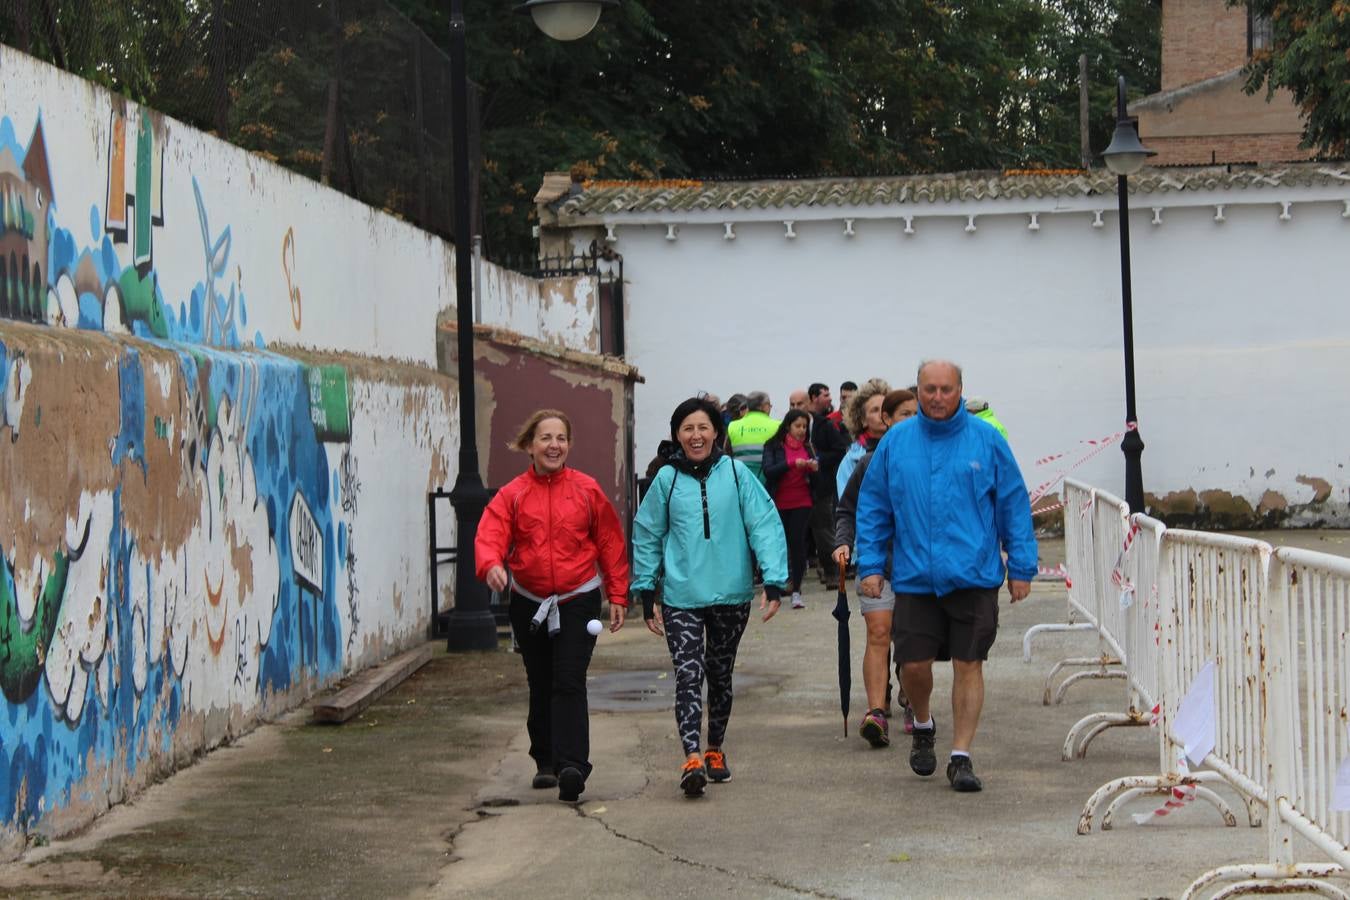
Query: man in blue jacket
<point>945,495</point>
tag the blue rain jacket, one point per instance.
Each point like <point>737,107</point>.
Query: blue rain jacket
<point>944,497</point>
<point>852,456</point>
<point>702,553</point>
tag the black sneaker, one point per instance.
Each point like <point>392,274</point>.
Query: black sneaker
<point>570,785</point>
<point>544,779</point>
<point>962,775</point>
<point>922,759</point>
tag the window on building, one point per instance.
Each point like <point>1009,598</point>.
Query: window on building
<point>1258,32</point>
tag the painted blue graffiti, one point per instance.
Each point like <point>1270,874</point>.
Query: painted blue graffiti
<point>45,753</point>
<point>95,290</point>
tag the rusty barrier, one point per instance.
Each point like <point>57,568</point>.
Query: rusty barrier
<point>1239,655</point>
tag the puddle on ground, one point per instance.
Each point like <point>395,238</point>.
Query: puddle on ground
<point>643,690</point>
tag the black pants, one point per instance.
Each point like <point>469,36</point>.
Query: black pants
<point>703,644</point>
<point>795,522</point>
<point>822,529</point>
<point>559,723</point>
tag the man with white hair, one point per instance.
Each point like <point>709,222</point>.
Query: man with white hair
<point>945,496</point>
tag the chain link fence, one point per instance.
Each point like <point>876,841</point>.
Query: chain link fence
<point>346,92</point>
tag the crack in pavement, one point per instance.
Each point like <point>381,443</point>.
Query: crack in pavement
<point>675,857</point>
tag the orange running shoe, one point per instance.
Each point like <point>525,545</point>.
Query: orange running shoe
<point>693,777</point>
<point>715,761</point>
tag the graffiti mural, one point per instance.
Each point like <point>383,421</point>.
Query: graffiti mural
<point>25,202</point>
<point>182,490</point>
<point>181,560</point>
<point>109,282</point>
<point>117,626</point>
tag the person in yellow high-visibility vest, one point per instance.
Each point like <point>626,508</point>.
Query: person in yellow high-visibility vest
<point>748,433</point>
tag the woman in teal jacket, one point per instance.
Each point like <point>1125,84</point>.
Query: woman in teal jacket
<point>694,533</point>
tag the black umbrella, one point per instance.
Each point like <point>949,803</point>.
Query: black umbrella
<point>845,665</point>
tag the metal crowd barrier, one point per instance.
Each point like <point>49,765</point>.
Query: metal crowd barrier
<point>1078,498</point>
<point>1304,741</point>
<point>1083,587</point>
<point>1275,626</point>
<point>1131,630</point>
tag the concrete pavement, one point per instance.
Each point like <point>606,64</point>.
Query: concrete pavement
<point>427,793</point>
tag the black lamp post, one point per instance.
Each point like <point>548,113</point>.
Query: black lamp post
<point>471,626</point>
<point>1125,156</point>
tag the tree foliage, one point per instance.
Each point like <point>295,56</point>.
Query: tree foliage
<point>764,88</point>
<point>1309,54</point>
<point>353,94</point>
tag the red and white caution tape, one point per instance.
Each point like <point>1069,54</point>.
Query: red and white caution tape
<point>1094,447</point>
<point>1179,796</point>
<point>1118,576</point>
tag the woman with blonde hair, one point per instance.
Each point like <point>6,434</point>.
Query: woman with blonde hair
<point>855,422</point>
<point>553,540</point>
<point>880,414</point>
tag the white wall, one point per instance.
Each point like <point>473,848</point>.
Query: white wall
<point>1241,327</point>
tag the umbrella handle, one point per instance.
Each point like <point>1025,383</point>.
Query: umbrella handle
<point>843,580</point>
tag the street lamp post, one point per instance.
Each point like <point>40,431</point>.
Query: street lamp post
<point>471,625</point>
<point>1125,156</point>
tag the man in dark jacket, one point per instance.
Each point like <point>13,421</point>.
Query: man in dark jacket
<point>829,444</point>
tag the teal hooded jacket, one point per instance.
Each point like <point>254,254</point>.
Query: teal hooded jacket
<point>944,498</point>
<point>695,535</point>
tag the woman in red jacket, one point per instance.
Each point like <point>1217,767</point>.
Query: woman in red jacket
<point>552,538</point>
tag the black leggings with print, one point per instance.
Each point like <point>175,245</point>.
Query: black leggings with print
<point>703,642</point>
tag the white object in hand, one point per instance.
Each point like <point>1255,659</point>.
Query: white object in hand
<point>594,626</point>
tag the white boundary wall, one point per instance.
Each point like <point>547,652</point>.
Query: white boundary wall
<point>1242,326</point>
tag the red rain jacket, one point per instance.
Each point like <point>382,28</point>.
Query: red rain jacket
<point>551,532</point>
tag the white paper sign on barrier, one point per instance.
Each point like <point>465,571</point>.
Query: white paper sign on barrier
<point>1194,726</point>
<point>1340,794</point>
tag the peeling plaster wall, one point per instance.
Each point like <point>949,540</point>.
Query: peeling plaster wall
<point>1242,327</point>
<point>520,383</point>
<point>217,534</point>
<point>555,310</point>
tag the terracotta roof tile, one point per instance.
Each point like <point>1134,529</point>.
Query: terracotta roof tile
<point>601,199</point>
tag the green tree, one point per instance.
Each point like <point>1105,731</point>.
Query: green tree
<point>348,91</point>
<point>1118,37</point>
<point>1309,54</point>
<point>759,88</point>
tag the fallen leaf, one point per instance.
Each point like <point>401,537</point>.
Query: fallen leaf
<point>598,810</point>
<point>899,858</point>
<point>662,675</point>
<point>327,749</point>
<point>411,702</point>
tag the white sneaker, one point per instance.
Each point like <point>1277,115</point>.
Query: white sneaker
<point>797,601</point>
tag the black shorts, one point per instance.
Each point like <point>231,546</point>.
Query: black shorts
<point>960,625</point>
